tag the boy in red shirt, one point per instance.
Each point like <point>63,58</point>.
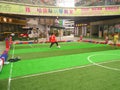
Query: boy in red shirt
<point>53,40</point>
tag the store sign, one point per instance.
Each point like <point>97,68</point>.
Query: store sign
<point>57,11</point>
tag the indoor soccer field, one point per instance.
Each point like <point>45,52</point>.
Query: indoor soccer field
<point>74,66</point>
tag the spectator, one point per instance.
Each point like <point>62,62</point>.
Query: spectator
<point>36,35</point>
<point>115,39</point>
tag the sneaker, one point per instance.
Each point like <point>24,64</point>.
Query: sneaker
<point>58,46</point>
<point>6,62</point>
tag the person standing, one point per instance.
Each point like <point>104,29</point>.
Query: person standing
<point>106,39</point>
<point>36,35</point>
<point>13,36</point>
<point>115,39</point>
<point>81,37</point>
<point>53,40</point>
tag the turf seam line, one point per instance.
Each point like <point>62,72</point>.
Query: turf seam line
<point>106,67</point>
<point>67,69</point>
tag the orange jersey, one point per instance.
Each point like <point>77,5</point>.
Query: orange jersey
<point>52,38</point>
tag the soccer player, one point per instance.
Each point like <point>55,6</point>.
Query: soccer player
<point>53,40</point>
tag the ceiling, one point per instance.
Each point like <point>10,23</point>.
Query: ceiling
<point>86,19</point>
<point>80,19</point>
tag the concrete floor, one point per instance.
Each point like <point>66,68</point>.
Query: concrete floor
<point>2,47</point>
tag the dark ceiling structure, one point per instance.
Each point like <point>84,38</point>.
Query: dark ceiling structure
<point>77,19</point>
<point>86,19</point>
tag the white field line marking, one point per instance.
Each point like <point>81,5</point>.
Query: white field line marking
<point>11,68</point>
<point>67,69</point>
<point>9,80</point>
<point>97,64</point>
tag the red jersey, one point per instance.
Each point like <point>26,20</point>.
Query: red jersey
<point>52,38</point>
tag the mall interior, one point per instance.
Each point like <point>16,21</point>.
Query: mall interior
<point>89,18</point>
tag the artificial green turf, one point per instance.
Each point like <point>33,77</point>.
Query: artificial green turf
<point>88,78</point>
<point>4,84</point>
<point>52,53</point>
<point>55,58</point>
<point>5,71</point>
<point>66,49</point>
<point>25,67</point>
<point>64,46</point>
<point>68,56</point>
